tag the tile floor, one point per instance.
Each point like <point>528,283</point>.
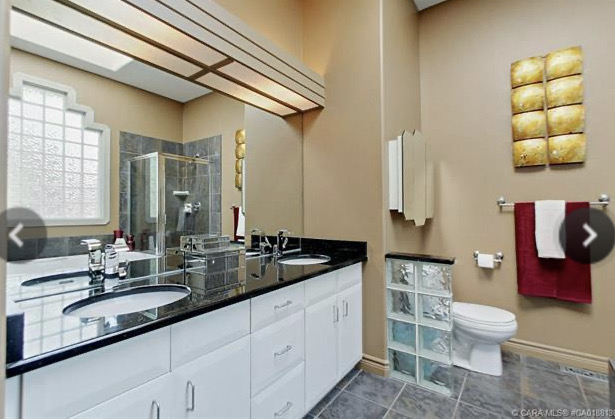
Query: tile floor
<point>528,388</point>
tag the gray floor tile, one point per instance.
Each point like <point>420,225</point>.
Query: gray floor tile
<point>349,377</point>
<point>548,389</point>
<point>597,393</point>
<point>459,376</point>
<point>324,402</point>
<point>375,388</point>
<point>395,415</point>
<point>349,406</point>
<point>497,394</point>
<point>416,402</point>
<point>534,363</point>
<point>466,411</point>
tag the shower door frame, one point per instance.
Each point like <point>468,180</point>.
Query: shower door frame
<point>161,222</point>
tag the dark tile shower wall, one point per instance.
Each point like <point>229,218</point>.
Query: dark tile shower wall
<point>204,183</point>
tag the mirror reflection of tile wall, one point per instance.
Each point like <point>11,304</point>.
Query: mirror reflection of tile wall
<point>204,184</point>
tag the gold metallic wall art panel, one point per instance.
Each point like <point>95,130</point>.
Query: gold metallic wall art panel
<point>565,91</point>
<point>529,125</point>
<point>528,98</point>
<point>532,152</point>
<point>565,62</point>
<point>527,71</point>
<point>566,120</point>
<point>240,136</point>
<point>240,151</point>
<point>571,148</point>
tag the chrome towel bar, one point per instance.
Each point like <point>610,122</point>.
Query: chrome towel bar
<point>603,201</point>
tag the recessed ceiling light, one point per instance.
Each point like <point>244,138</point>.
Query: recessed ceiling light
<point>33,30</point>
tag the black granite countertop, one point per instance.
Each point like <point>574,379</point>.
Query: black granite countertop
<point>421,257</point>
<point>49,336</point>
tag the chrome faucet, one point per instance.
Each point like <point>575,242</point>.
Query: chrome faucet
<point>280,247</point>
<point>96,265</point>
<point>102,263</point>
<point>263,244</point>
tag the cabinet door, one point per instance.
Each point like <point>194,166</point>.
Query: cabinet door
<point>216,385</point>
<point>321,320</point>
<point>350,331</point>
<point>148,401</point>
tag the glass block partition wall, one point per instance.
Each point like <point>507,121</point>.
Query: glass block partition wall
<point>419,320</point>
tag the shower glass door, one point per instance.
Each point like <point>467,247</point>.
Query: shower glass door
<point>144,204</point>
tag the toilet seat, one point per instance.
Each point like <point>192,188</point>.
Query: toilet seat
<point>484,317</point>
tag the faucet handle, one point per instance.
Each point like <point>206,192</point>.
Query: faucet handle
<point>92,244</point>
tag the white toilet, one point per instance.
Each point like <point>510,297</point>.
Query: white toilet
<point>478,331</point>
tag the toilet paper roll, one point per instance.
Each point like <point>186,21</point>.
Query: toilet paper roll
<point>486,261</point>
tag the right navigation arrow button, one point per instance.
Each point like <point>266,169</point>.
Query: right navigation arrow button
<point>592,235</point>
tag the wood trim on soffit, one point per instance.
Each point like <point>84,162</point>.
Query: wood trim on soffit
<point>311,99</point>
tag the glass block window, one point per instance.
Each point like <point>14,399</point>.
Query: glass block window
<point>57,158</point>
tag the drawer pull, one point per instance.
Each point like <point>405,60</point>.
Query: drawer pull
<point>336,314</point>
<point>345,308</point>
<point>284,410</point>
<point>156,409</point>
<point>283,352</point>
<point>192,400</point>
<point>284,305</point>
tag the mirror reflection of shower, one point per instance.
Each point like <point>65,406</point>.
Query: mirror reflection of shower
<point>169,197</point>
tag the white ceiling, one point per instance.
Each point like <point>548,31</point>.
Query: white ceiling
<point>424,4</point>
<point>134,73</point>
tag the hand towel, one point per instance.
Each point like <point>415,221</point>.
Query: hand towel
<point>549,215</point>
<point>564,279</point>
<point>241,224</point>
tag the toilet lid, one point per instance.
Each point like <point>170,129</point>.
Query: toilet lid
<point>482,314</point>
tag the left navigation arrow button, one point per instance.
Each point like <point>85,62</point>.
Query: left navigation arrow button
<point>13,235</point>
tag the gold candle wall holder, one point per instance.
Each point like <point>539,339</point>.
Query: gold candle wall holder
<point>548,121</point>
<point>240,154</point>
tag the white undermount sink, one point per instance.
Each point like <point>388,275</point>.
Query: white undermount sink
<point>126,301</point>
<point>305,259</point>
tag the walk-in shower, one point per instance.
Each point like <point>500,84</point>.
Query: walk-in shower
<point>169,196</point>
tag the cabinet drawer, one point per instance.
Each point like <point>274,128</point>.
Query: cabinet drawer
<point>274,306</point>
<point>284,399</point>
<point>320,288</point>
<point>349,276</point>
<point>276,349</point>
<point>69,387</point>
<point>197,336</point>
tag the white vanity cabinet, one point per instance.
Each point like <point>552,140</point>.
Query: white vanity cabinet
<point>273,356</point>
<point>148,401</point>
<point>214,386</point>
<point>333,330</point>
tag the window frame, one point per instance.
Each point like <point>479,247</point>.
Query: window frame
<point>104,158</point>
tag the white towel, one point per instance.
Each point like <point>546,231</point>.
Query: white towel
<point>549,216</point>
<point>241,224</point>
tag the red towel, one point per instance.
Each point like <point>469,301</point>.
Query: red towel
<point>564,279</point>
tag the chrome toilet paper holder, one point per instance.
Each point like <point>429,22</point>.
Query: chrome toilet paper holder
<point>497,257</point>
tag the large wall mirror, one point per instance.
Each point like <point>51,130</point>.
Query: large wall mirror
<point>102,142</point>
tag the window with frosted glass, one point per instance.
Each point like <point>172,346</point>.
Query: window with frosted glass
<point>54,158</point>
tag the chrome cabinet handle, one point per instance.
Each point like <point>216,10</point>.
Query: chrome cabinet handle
<point>345,308</point>
<point>282,352</point>
<point>284,305</point>
<point>283,410</point>
<point>336,314</point>
<point>191,387</point>
<point>156,409</point>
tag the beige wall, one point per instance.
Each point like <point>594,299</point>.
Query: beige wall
<point>466,48</point>
<point>274,154</point>
<point>279,20</point>
<point>213,115</point>
<point>4,84</point>
<point>119,106</point>
<point>342,143</point>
